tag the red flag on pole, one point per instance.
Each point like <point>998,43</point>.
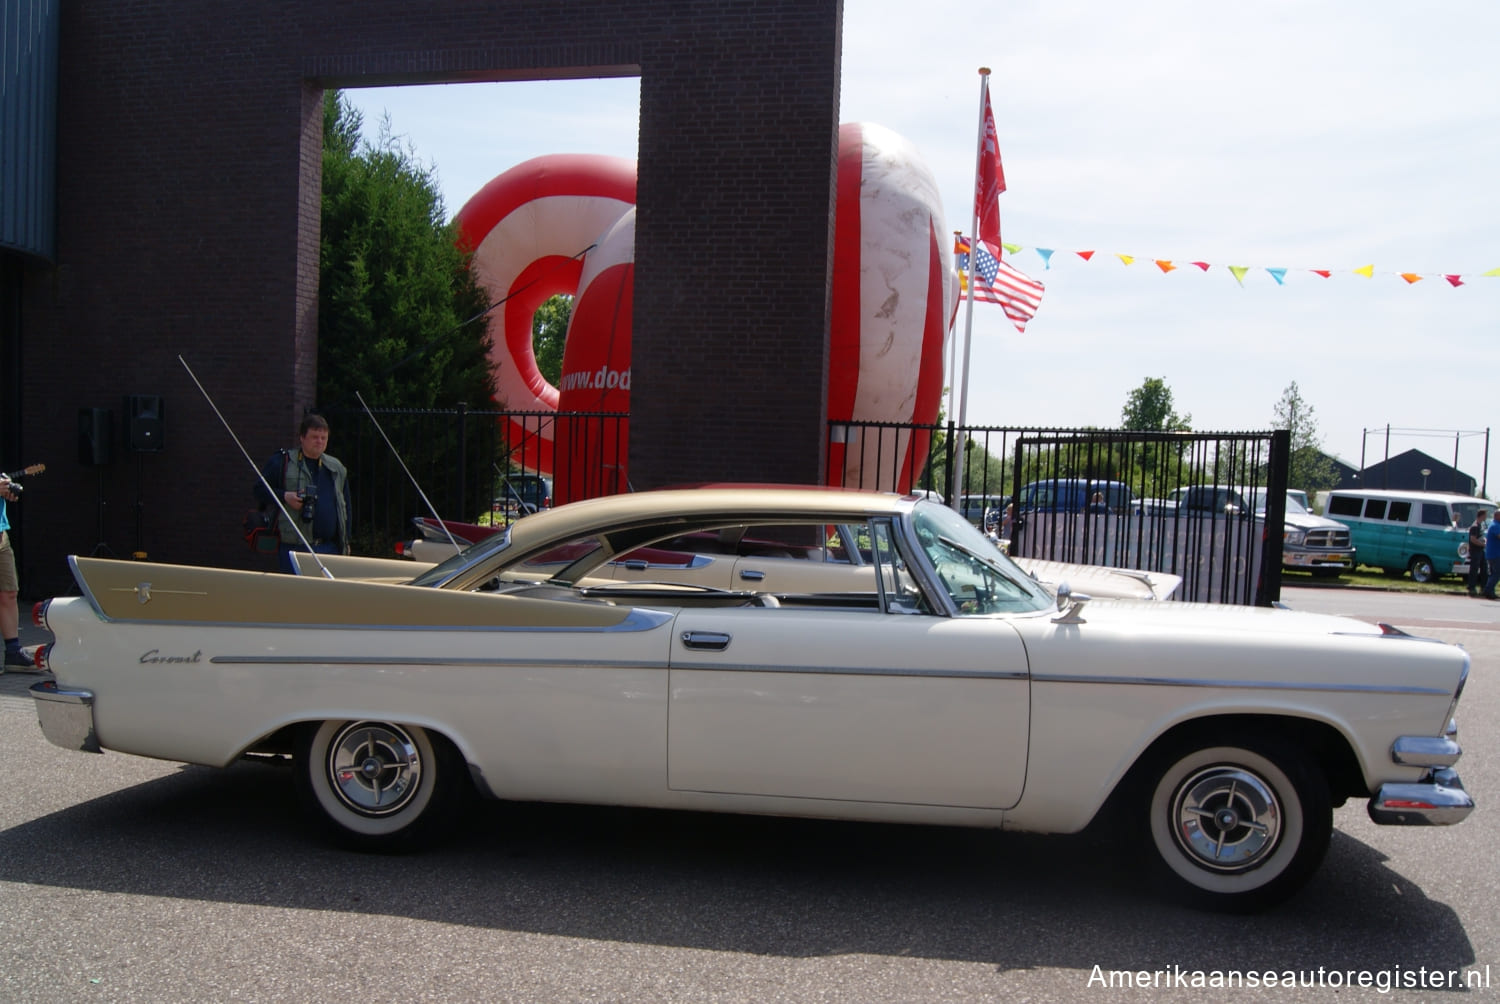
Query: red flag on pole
<point>991,175</point>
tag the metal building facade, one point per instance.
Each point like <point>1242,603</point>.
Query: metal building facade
<point>28,126</point>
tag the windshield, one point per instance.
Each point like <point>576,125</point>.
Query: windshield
<point>474,552</point>
<point>977,576</point>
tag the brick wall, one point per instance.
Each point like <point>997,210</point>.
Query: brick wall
<point>188,193</point>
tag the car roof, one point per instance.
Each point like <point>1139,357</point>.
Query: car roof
<point>1395,493</point>
<point>691,505</point>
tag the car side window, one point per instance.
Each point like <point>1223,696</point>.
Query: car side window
<point>899,590</point>
<point>1343,505</point>
<point>1435,514</point>
<point>1399,512</point>
<point>1375,509</point>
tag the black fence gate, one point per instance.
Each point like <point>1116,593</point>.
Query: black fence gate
<point>1177,503</point>
<point>462,458</point>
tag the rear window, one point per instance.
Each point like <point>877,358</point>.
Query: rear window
<point>1375,509</point>
<point>1400,512</point>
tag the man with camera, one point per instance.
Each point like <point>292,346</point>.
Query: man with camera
<point>315,489</point>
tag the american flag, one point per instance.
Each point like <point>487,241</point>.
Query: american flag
<point>998,281</point>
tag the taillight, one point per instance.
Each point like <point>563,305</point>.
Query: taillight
<point>43,657</point>
<point>39,614</point>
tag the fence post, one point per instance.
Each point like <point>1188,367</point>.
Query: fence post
<point>463,459</point>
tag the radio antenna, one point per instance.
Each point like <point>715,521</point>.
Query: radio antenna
<point>275,495</point>
<point>395,453</point>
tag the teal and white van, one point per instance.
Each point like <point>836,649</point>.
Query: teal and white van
<point>1424,533</point>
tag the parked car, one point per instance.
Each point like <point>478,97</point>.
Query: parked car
<point>1309,543</point>
<point>1424,533</point>
<point>1076,495</point>
<point>976,507</point>
<point>953,690</point>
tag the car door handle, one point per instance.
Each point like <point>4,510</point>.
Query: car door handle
<point>636,564</point>
<point>715,641</point>
<point>752,574</point>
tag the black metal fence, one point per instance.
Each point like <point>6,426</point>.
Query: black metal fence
<point>1097,497</point>
<point>460,459</point>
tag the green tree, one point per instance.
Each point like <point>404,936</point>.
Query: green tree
<point>549,327</point>
<point>401,318</point>
<point>1310,469</point>
<point>1148,408</point>
<point>1152,470</point>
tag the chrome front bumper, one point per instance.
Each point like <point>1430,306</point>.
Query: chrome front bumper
<point>1439,799</point>
<point>66,716</point>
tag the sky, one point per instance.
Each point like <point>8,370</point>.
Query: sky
<point>1275,135</point>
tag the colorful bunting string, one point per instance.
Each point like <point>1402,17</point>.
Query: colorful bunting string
<point>1239,272</point>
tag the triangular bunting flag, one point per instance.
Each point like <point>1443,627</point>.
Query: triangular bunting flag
<point>1202,264</point>
<point>1491,272</point>
<point>1164,265</point>
<point>1046,255</point>
<point>1368,271</point>
<point>1086,255</point>
<point>1324,272</point>
<point>1454,281</point>
<point>1128,259</point>
<point>1279,274</point>
<point>1411,278</point>
<point>1011,249</point>
<point>1239,272</point>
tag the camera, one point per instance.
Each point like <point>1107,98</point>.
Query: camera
<point>309,496</point>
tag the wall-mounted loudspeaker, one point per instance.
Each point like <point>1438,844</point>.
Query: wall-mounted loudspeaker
<point>96,433</point>
<point>143,423</point>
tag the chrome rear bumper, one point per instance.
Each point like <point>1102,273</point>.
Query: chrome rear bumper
<point>66,716</point>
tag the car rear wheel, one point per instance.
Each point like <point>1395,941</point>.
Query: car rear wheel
<point>1421,569</point>
<point>379,786</point>
<point>1237,826</point>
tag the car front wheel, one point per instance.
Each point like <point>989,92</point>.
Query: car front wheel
<point>379,786</point>
<point>1239,826</point>
<point>1422,570</point>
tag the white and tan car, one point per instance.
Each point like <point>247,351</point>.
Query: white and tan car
<point>954,689</point>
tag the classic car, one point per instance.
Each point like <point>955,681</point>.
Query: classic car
<point>952,689</point>
<point>723,558</point>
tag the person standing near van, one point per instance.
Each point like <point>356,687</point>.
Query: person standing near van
<point>1492,559</point>
<point>1478,568</point>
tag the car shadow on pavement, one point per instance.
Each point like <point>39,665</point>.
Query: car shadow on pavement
<point>768,886</point>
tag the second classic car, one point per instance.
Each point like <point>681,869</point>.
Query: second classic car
<point>949,687</point>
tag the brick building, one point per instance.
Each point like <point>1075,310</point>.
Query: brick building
<point>187,190</point>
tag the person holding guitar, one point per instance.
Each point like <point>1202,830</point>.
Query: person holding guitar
<point>16,659</point>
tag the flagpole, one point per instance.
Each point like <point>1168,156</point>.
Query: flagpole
<point>959,459</point>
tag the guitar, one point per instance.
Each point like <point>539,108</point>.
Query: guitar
<point>15,485</point>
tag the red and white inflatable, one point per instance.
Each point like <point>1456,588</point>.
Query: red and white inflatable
<point>894,298</point>
<point>529,229</point>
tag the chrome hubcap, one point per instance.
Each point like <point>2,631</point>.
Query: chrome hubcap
<point>374,768</point>
<point>1226,819</point>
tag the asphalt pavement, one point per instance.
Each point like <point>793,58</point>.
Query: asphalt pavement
<point>124,879</point>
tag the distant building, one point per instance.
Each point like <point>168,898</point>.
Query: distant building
<point>1409,471</point>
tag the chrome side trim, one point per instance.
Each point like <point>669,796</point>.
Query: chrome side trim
<point>393,660</point>
<point>1439,801</point>
<point>1161,681</point>
<point>66,716</point>
<point>938,674</point>
<point>1425,751</point>
<point>639,619</point>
